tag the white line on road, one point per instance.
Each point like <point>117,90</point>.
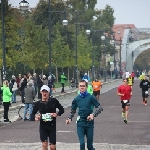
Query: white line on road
<point>65,131</point>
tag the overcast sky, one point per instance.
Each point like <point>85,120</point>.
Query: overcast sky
<point>126,11</point>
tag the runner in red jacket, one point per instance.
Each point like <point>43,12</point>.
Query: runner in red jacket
<point>125,93</point>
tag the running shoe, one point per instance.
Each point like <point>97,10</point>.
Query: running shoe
<point>123,114</point>
<point>145,104</point>
<point>125,121</point>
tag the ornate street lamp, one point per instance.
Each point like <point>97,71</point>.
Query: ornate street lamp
<point>50,20</point>
<point>24,6</point>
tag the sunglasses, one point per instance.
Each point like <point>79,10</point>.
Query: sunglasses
<point>82,85</point>
<point>124,81</point>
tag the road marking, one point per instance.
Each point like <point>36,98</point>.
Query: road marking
<point>66,131</point>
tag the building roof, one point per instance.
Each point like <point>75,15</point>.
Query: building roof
<point>119,30</point>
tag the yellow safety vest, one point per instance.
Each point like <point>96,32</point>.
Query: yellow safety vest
<point>129,81</point>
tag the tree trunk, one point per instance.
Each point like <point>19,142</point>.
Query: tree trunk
<point>1,78</point>
<point>56,73</point>
<point>33,71</point>
<point>68,75</point>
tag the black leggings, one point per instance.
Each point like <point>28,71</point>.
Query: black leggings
<point>6,109</point>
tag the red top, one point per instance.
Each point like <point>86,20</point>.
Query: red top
<point>132,74</point>
<point>126,90</point>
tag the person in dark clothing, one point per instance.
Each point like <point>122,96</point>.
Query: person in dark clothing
<point>23,85</point>
<point>47,117</point>
<point>85,119</point>
<point>145,84</point>
<point>50,85</point>
<point>39,84</point>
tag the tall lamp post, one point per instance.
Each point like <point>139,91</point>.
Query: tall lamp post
<point>76,37</point>
<point>120,57</point>
<point>104,39</point>
<point>64,22</point>
<point>3,39</point>
<point>93,50</point>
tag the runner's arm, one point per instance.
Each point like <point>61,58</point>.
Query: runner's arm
<point>60,107</point>
<point>73,110</point>
<point>98,107</point>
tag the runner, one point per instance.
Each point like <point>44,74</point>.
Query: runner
<point>85,119</point>
<point>96,88</point>
<point>125,93</point>
<point>130,80</point>
<point>145,84</point>
<point>47,109</point>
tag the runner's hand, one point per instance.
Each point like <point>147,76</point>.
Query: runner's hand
<point>90,118</point>
<point>37,118</point>
<point>68,121</point>
<point>53,115</point>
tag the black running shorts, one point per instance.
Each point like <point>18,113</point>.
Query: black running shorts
<point>48,132</point>
<point>144,95</point>
<point>124,104</point>
<point>95,93</point>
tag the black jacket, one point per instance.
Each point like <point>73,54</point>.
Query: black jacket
<point>144,84</point>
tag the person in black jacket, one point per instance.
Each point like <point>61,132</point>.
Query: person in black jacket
<point>22,87</point>
<point>145,84</point>
<point>39,84</point>
<point>47,117</point>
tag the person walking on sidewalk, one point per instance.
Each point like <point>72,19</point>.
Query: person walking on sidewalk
<point>6,99</point>
<point>23,85</point>
<point>144,85</point>
<point>29,97</point>
<point>63,79</point>
<point>47,109</point>
<point>85,119</point>
<point>125,93</point>
<point>13,88</point>
<point>40,84</point>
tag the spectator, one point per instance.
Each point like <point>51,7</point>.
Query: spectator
<point>29,97</point>
<point>6,99</point>
<point>50,85</point>
<point>45,81</point>
<point>35,83</point>
<point>86,77</point>
<point>63,79</point>
<point>39,84</point>
<point>14,88</point>
<point>23,85</point>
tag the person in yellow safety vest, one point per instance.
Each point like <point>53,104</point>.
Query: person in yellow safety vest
<point>141,77</point>
<point>130,81</point>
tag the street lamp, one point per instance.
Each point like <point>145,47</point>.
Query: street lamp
<point>3,39</point>
<point>93,51</point>
<point>64,22</point>
<point>76,37</point>
<point>24,6</point>
<point>120,69</point>
<point>103,39</point>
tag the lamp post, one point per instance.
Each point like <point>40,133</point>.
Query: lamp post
<point>120,69</point>
<point>3,40</point>
<point>93,50</point>
<point>76,37</point>
<point>64,22</point>
<point>104,70</point>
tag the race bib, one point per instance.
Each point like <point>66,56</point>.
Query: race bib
<point>47,117</point>
<point>95,86</point>
<point>125,101</point>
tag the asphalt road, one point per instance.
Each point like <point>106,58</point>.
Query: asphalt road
<point>110,129</point>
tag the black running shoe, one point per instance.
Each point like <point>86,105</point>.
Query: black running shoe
<point>125,121</point>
